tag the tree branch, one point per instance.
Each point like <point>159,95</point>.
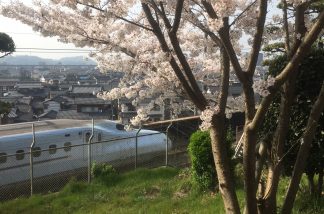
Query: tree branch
<point>290,67</point>
<point>257,41</point>
<point>180,55</point>
<point>5,54</point>
<point>241,14</point>
<point>209,9</point>
<point>225,38</point>
<point>118,17</point>
<point>177,16</point>
<point>164,46</point>
<point>285,25</point>
<point>303,152</point>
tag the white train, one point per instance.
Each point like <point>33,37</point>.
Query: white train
<point>48,159</point>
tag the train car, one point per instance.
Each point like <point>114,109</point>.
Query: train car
<point>110,143</point>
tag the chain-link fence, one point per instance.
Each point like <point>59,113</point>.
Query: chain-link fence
<point>47,165</point>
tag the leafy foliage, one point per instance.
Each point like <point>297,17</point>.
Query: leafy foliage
<point>4,107</point>
<point>274,47</point>
<point>203,169</point>
<point>7,45</point>
<point>202,162</point>
<point>308,85</point>
<point>101,170</point>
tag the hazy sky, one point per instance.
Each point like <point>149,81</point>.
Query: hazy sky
<point>25,37</point>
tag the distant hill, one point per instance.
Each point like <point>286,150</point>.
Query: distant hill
<point>35,60</point>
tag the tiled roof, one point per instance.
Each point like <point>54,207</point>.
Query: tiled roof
<point>90,100</point>
<point>73,114</point>
<point>50,114</point>
<point>86,90</point>
<point>8,82</point>
<point>25,100</point>
<point>29,85</point>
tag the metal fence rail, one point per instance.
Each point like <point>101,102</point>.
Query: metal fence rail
<point>43,170</point>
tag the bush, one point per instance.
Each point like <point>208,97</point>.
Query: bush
<point>99,170</point>
<point>202,162</point>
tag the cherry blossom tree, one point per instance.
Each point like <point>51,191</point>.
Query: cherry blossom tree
<point>167,48</point>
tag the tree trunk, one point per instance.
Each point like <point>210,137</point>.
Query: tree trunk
<point>249,157</point>
<point>303,152</point>
<point>320,181</point>
<point>311,185</point>
<point>278,143</point>
<point>219,147</point>
<point>281,132</point>
<point>222,163</point>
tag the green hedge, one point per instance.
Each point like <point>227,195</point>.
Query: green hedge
<point>202,161</point>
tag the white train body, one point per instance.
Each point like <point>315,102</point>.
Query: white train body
<point>15,141</point>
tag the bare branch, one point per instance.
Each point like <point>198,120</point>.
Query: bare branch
<point>177,16</point>
<point>257,40</point>
<point>157,31</point>
<point>118,17</point>
<point>241,14</point>
<point>209,9</point>
<point>225,38</point>
<point>285,26</point>
<point>5,54</point>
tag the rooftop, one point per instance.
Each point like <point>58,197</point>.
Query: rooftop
<point>86,89</point>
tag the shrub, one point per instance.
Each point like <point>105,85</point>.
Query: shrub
<point>99,170</point>
<point>202,161</point>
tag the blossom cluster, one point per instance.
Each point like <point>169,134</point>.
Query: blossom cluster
<point>262,86</point>
<point>207,117</point>
<point>142,115</point>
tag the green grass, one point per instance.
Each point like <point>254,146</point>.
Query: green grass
<point>162,190</point>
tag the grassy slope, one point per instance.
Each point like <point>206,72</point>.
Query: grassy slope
<point>163,190</point>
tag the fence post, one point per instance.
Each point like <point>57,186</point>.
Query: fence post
<point>89,152</point>
<point>31,162</point>
<point>136,145</point>
<point>167,144</point>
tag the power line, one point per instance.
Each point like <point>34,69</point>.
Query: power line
<point>57,49</point>
<point>48,52</point>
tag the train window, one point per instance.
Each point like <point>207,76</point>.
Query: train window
<point>52,149</point>
<point>20,154</point>
<point>67,146</point>
<point>120,127</point>
<point>67,135</point>
<point>88,137</point>
<point>99,137</point>
<point>3,157</point>
<point>36,152</point>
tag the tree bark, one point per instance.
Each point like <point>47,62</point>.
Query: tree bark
<point>287,99</point>
<point>218,135</point>
<point>303,152</point>
<point>311,184</point>
<point>249,161</point>
<point>278,143</point>
<point>222,163</point>
<point>320,181</point>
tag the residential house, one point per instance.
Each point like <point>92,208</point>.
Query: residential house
<point>7,85</point>
<point>84,91</point>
